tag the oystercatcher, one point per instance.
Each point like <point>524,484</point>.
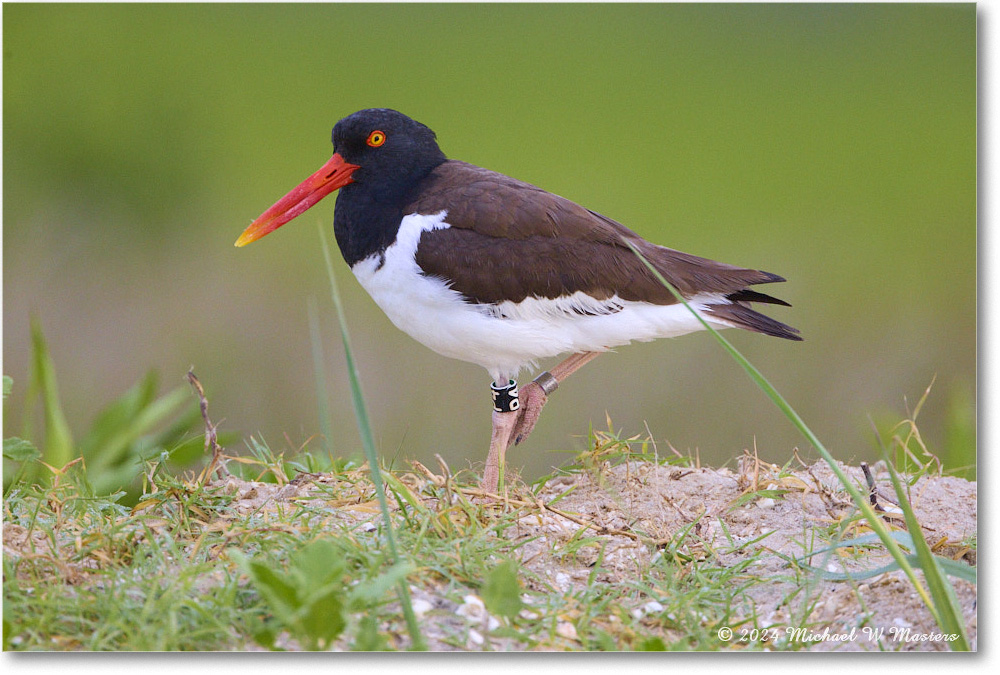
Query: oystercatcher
<point>488,269</point>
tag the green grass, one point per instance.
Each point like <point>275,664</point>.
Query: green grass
<point>195,567</point>
<point>136,426</point>
<point>173,575</point>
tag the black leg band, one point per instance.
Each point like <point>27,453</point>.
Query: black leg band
<point>505,397</point>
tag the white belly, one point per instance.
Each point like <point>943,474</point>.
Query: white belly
<point>505,338</point>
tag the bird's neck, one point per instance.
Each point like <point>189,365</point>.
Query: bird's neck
<point>363,224</point>
<point>368,215</point>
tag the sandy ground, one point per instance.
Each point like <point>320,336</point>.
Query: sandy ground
<point>714,517</point>
<point>662,500</point>
<point>636,508</point>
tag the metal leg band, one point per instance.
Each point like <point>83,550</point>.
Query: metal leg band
<point>505,397</point>
<point>548,382</point>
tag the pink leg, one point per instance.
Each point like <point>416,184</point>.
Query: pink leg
<point>513,427</point>
<point>503,426</point>
<point>572,364</point>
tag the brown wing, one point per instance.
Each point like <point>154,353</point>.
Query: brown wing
<point>509,240</point>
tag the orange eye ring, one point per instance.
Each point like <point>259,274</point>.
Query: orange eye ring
<point>376,138</point>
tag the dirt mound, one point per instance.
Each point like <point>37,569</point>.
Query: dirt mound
<point>635,555</point>
<point>773,516</point>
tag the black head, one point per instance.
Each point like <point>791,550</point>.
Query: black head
<point>379,156</point>
<point>390,154</point>
<point>392,150</point>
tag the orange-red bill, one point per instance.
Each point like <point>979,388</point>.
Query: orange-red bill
<point>333,175</point>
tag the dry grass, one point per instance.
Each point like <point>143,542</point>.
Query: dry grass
<point>620,552</point>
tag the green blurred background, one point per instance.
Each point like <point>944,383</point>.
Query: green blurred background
<point>832,144</point>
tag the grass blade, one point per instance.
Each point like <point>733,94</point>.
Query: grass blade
<point>315,339</point>
<point>368,444</point>
<point>59,448</point>
<point>951,567</point>
<point>941,590</point>
<point>115,445</point>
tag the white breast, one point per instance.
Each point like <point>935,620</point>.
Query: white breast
<point>506,337</point>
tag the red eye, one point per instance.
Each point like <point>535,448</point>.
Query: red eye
<point>376,138</point>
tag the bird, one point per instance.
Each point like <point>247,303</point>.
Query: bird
<point>487,269</point>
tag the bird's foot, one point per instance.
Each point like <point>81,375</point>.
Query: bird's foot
<point>532,399</point>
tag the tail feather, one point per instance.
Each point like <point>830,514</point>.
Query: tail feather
<point>741,316</point>
<point>692,276</point>
<point>746,295</point>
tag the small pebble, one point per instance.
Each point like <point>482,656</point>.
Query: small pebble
<point>566,630</point>
<point>475,612</point>
<point>473,607</point>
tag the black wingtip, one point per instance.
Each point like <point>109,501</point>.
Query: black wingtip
<point>742,316</point>
<point>747,295</point>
